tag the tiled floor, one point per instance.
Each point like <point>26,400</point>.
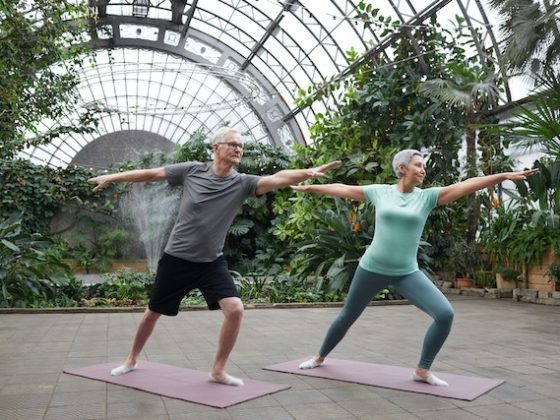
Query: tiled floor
<point>518,342</point>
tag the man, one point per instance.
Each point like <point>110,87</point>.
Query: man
<point>213,192</point>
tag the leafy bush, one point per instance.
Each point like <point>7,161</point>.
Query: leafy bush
<point>30,266</point>
<point>123,285</point>
<point>336,244</point>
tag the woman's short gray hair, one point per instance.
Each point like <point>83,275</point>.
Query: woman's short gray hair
<point>221,134</point>
<point>403,158</point>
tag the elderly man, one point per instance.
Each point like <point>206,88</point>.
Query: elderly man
<point>212,194</point>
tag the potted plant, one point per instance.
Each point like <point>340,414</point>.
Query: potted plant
<point>506,278</point>
<point>464,262</point>
<point>554,274</point>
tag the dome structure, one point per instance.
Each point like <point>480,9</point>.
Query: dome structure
<point>172,68</point>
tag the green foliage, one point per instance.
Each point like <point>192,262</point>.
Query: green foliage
<point>39,192</point>
<point>485,279</point>
<point>543,188</point>
<point>465,259</point>
<point>529,245</point>
<point>378,112</point>
<point>338,239</point>
<point>128,284</point>
<point>197,149</point>
<point>508,273</point>
<point>43,46</point>
<point>290,289</point>
<point>496,236</point>
<point>30,266</point>
<point>538,126</point>
<point>554,272</point>
<point>530,33</point>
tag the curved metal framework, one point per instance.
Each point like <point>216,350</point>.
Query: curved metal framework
<point>173,67</point>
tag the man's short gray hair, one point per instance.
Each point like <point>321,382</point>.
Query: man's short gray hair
<point>403,158</point>
<point>220,135</point>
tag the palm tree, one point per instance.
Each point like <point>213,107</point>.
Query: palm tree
<point>531,33</point>
<point>472,91</point>
<point>537,126</point>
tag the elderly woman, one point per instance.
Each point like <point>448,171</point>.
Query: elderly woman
<point>401,213</point>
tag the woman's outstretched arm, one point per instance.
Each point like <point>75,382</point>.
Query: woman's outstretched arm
<point>453,192</point>
<point>351,192</point>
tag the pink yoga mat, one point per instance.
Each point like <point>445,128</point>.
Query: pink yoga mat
<point>180,383</point>
<point>394,377</point>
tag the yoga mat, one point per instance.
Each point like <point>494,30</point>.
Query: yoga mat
<point>180,383</point>
<point>394,377</point>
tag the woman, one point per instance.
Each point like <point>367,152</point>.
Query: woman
<point>401,213</point>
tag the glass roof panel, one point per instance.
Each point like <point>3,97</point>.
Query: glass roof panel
<point>238,61</point>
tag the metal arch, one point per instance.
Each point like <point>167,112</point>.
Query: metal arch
<point>499,56</point>
<point>269,31</point>
<point>331,95</point>
<point>190,15</point>
<point>287,71</point>
<point>482,57</point>
<point>116,41</point>
<point>177,9</point>
<point>288,7</point>
<point>413,40</point>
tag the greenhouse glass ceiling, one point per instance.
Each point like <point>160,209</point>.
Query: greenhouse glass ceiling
<point>165,70</point>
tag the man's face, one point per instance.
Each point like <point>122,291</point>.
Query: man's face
<point>230,150</point>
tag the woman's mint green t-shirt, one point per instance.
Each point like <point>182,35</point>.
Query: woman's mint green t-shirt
<point>399,222</point>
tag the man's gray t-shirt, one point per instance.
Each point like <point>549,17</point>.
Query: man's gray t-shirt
<point>208,206</point>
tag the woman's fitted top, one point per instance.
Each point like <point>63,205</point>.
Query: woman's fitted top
<point>399,222</point>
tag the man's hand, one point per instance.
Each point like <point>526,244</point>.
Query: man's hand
<point>102,181</point>
<point>320,170</point>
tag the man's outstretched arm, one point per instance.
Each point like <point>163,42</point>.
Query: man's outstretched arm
<point>137,175</point>
<point>287,177</point>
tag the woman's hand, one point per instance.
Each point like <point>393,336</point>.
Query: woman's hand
<point>301,188</point>
<point>521,175</point>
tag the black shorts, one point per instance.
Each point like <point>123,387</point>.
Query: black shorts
<point>176,277</point>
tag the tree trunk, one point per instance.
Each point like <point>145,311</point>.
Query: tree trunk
<point>472,207</point>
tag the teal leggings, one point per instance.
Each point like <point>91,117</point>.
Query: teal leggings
<point>416,287</point>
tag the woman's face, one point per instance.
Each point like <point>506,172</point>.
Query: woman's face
<point>415,172</point>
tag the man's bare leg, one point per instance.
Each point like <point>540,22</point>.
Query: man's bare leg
<point>232,309</point>
<point>143,332</point>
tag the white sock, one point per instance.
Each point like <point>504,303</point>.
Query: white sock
<point>310,364</point>
<point>228,380</point>
<point>122,369</point>
<point>431,379</point>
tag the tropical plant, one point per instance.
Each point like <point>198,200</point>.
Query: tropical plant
<point>508,273</point>
<point>536,126</point>
<point>530,244</point>
<point>530,32</point>
<point>337,241</point>
<point>30,267</point>
<point>465,259</point>
<point>553,272</point>
<point>39,192</point>
<point>471,90</point>
<point>496,236</point>
<point>44,44</point>
<point>378,112</point>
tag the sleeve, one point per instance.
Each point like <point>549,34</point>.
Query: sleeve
<point>176,173</point>
<point>373,192</point>
<point>431,196</point>
<point>250,184</point>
